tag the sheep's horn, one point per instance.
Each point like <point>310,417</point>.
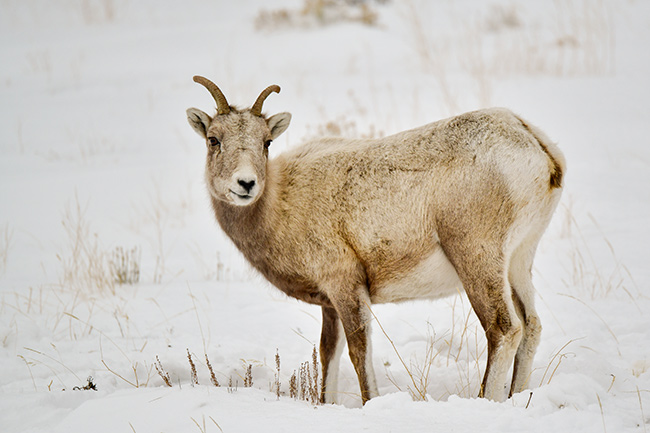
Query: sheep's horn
<point>222,103</point>
<point>256,109</point>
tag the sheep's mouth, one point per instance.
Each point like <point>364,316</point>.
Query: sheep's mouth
<point>241,199</point>
<point>242,196</point>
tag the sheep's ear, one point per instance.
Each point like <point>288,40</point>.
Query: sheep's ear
<point>278,124</point>
<point>199,121</point>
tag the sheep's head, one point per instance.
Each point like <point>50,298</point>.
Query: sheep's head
<point>238,145</point>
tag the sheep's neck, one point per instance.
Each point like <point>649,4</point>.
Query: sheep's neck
<point>246,226</point>
<point>252,229</point>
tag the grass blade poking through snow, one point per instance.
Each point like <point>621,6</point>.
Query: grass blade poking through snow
<point>194,378</point>
<point>213,377</point>
<point>162,373</point>
<point>421,393</point>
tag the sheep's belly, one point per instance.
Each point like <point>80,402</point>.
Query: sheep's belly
<point>434,277</point>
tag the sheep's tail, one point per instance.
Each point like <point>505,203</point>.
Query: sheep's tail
<point>557,163</point>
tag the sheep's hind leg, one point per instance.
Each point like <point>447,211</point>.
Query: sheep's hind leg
<point>523,295</point>
<point>483,274</point>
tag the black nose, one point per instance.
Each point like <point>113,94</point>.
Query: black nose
<point>247,185</point>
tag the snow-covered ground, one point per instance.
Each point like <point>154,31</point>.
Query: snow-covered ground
<point>96,155</point>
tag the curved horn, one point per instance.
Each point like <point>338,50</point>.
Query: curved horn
<point>256,109</point>
<point>222,103</point>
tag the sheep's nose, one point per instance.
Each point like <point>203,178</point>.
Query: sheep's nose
<point>246,184</point>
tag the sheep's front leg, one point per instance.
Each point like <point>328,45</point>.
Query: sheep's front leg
<point>354,311</point>
<point>332,342</point>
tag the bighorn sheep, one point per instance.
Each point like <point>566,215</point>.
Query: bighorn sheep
<point>457,204</point>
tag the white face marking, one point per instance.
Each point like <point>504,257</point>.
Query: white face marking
<point>244,186</point>
<point>236,168</point>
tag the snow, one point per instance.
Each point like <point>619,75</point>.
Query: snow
<point>96,154</point>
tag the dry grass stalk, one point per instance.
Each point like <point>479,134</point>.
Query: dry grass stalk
<point>422,370</point>
<point>29,364</point>
<point>602,413</point>
<point>98,12</point>
<point>643,419</point>
<point>6,239</point>
<point>315,394</point>
<point>45,355</point>
<point>162,373</point>
<point>317,13</point>
<point>498,42</point>
<point>202,427</point>
<point>85,263</point>
<point>124,265</point>
<point>194,378</point>
<point>342,126</point>
<point>213,377</point>
<point>305,385</point>
<point>216,423</point>
<point>600,318</point>
<point>135,384</point>
<point>230,388</point>
<point>211,266</point>
<point>418,394</point>
<point>156,213</point>
<point>530,397</point>
<point>556,355</point>
<point>293,386</point>
<point>248,377</point>
<point>463,346</point>
<point>435,54</point>
<point>611,384</point>
<point>134,365</point>
<point>277,374</point>
<point>586,274</point>
<point>305,379</point>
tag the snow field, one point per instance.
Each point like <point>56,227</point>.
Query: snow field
<point>96,154</point>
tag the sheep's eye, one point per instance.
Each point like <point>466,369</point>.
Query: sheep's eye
<point>213,141</point>
<point>267,143</point>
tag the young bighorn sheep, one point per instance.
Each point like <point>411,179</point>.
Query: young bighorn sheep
<point>456,204</point>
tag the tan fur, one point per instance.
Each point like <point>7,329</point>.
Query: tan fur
<point>456,204</point>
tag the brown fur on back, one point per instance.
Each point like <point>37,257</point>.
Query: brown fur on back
<point>349,207</point>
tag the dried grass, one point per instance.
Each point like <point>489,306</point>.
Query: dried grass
<point>124,265</point>
<point>202,427</point>
<point>277,374</point>
<point>462,346</point>
<point>499,42</point>
<point>248,377</point>
<point>6,242</point>
<point>213,377</point>
<point>587,276</point>
<point>559,356</point>
<point>304,383</point>
<point>162,373</point>
<point>85,264</point>
<point>317,13</point>
<point>417,392</point>
<point>94,12</point>
<point>194,377</point>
